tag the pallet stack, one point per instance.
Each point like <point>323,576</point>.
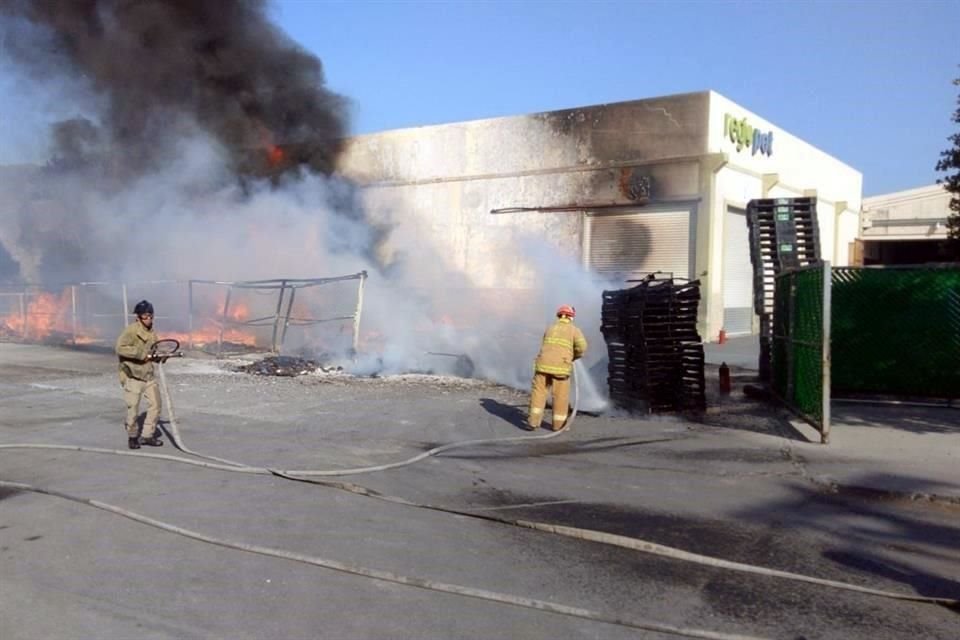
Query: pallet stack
<point>655,353</point>
<point>783,235</point>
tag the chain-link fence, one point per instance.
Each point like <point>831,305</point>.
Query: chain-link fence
<point>801,343</point>
<point>319,315</point>
<point>896,331</point>
<point>103,309</point>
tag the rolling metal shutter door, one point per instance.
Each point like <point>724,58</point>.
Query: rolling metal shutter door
<point>631,245</point>
<point>737,274</point>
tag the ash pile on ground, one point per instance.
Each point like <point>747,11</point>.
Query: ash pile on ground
<point>286,366</point>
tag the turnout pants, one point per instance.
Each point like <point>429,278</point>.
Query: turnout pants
<point>542,384</point>
<point>133,391</point>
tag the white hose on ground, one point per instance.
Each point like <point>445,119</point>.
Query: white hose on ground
<point>388,576</point>
<point>172,420</point>
<point>634,544</point>
<point>178,441</point>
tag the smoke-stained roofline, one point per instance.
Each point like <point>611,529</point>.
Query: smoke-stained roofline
<point>533,114</point>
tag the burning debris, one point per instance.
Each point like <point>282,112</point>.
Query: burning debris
<point>286,366</point>
<point>307,316</point>
<point>38,316</point>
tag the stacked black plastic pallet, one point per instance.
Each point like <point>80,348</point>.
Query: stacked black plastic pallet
<point>783,235</point>
<point>655,353</point>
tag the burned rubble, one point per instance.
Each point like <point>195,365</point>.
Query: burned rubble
<point>286,366</point>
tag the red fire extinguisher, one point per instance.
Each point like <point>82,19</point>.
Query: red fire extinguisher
<point>724,378</point>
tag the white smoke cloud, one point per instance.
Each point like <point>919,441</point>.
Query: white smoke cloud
<point>193,219</point>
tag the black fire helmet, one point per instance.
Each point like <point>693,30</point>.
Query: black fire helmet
<point>143,307</point>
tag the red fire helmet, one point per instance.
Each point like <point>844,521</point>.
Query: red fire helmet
<point>567,310</point>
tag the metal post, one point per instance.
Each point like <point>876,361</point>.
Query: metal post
<point>223,321</point>
<point>276,316</point>
<point>23,315</point>
<point>73,304</point>
<point>356,316</point>
<point>825,352</point>
<point>190,314</point>
<point>125,307</point>
<point>286,320</point>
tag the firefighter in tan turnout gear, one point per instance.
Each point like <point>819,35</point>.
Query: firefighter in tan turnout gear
<point>134,348</point>
<point>562,343</point>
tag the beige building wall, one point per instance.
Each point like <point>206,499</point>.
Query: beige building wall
<point>792,168</point>
<point>914,214</point>
<point>443,182</point>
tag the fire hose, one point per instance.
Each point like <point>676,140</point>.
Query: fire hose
<point>573,532</point>
<point>178,441</point>
<point>388,576</point>
<point>334,565</point>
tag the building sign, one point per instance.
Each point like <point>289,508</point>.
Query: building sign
<point>744,135</point>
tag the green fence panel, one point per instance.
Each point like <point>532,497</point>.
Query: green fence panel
<point>801,338</point>
<point>896,331</point>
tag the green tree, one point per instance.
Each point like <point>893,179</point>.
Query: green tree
<point>950,163</point>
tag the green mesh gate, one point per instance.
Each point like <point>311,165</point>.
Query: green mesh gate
<point>800,349</point>
<point>896,331</point>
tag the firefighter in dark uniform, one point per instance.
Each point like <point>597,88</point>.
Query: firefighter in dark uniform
<point>134,349</point>
<point>563,342</point>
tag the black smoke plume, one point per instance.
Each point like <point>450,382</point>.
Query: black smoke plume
<point>166,66</point>
<point>146,81</point>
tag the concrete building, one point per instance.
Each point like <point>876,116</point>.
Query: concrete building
<point>629,188</point>
<point>906,227</point>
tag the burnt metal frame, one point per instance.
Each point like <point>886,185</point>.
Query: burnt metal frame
<point>280,321</point>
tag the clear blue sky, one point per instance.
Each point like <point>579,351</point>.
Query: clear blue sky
<point>867,82</point>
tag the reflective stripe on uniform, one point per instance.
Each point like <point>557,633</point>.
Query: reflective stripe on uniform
<point>535,410</point>
<point>555,371</point>
<point>559,417</point>
<point>559,347</point>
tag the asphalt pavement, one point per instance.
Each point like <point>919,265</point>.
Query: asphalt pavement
<point>743,483</point>
<point>884,449</point>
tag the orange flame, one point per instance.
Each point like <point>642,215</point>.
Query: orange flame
<point>239,313</point>
<point>209,332</point>
<point>44,315</point>
<point>275,155</point>
<point>48,314</point>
